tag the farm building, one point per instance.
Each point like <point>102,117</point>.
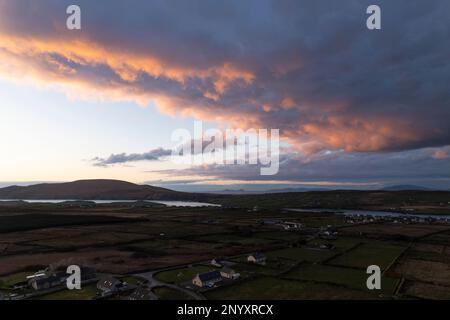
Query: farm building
<point>47,281</point>
<point>229,273</point>
<point>110,285</point>
<point>207,279</point>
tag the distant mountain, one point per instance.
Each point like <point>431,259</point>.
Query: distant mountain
<point>299,189</point>
<point>230,191</point>
<point>281,190</point>
<point>93,190</point>
<point>339,199</point>
<point>405,187</point>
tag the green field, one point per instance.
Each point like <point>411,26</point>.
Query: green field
<point>164,293</point>
<point>87,292</point>
<point>234,239</point>
<point>301,254</point>
<point>350,278</point>
<point>181,275</point>
<point>7,281</point>
<point>341,243</point>
<point>271,268</point>
<point>271,288</point>
<point>278,235</point>
<point>371,253</point>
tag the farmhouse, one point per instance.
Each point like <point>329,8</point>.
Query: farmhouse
<point>207,279</point>
<point>328,235</point>
<point>228,273</point>
<point>257,258</point>
<point>110,285</point>
<point>47,281</point>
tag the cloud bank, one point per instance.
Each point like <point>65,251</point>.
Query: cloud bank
<point>122,158</point>
<point>337,168</point>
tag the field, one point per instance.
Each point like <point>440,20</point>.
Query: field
<point>426,291</point>
<point>181,275</point>
<point>273,267</point>
<point>234,239</point>
<point>86,293</point>
<point>171,245</point>
<point>301,254</point>
<point>393,230</point>
<point>164,293</point>
<point>372,253</point>
<point>39,221</point>
<point>10,280</point>
<point>425,271</point>
<point>269,288</point>
<point>349,278</point>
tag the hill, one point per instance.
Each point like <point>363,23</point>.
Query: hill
<point>92,190</point>
<point>343,199</point>
<point>404,187</point>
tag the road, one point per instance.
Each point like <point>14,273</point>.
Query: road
<point>153,282</point>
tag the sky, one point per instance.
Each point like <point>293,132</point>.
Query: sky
<point>356,108</point>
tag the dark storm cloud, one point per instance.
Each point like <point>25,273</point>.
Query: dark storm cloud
<point>426,165</point>
<point>310,68</point>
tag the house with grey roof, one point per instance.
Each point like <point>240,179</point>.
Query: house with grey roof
<point>110,285</point>
<point>208,279</point>
<point>47,281</point>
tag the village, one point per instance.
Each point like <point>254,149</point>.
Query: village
<point>52,279</point>
<point>212,273</point>
<point>218,253</point>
